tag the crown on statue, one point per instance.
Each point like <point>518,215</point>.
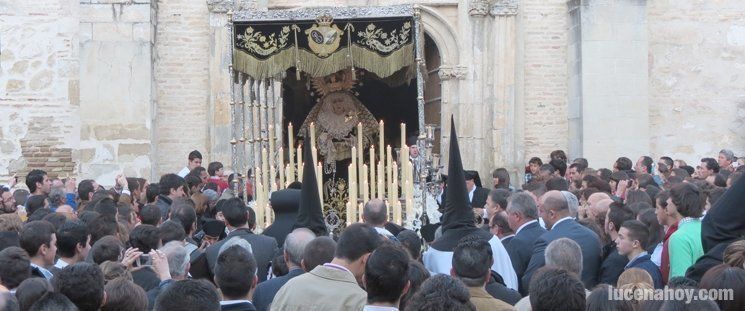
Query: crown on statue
<point>324,20</point>
<point>342,80</point>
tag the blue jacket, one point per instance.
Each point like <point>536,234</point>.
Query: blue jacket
<point>645,262</point>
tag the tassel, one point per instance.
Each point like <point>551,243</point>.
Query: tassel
<point>349,29</point>
<point>295,29</point>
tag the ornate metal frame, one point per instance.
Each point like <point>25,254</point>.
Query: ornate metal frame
<point>244,15</point>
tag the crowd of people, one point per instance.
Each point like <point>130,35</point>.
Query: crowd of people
<point>562,239</point>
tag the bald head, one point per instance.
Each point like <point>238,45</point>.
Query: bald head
<point>599,208</point>
<point>553,207</point>
<point>597,197</point>
<point>375,213</point>
<point>295,244</point>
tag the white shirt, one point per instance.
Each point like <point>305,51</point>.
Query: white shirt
<point>635,258</point>
<point>378,308</point>
<point>470,194</point>
<point>524,225</point>
<point>560,220</point>
<point>184,171</point>
<point>61,264</point>
<point>47,275</point>
<point>507,237</point>
<point>232,302</point>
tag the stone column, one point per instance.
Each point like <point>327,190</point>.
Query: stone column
<point>506,117</point>
<point>613,80</point>
<point>116,89</point>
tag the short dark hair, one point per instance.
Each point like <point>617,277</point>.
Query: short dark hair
<point>188,295</point>
<point>15,266</point>
<point>235,271</point>
<point>124,295</point>
<point>195,154</point>
<point>557,183</point>
<point>416,276</point>
<point>57,220</point>
<point>536,160</point>
<point>558,154</point>
<point>504,177</point>
<point>31,290</point>
<point>170,181</point>
<point>472,260</point>
<point>192,180</point>
<point>171,230</point>
<point>185,215</point>
<point>106,207</point>
<point>582,161</point>
<point>108,248</point>
<point>556,289</point>
<point>711,164</point>
<point>318,251</point>
<point>213,167</point>
<point>35,203</point>
<point>560,165</point>
<point>151,192</point>
<point>145,238</point>
<point>645,180</point>
<point>499,197</point>
<point>69,236</point>
<point>412,242</point>
<point>618,213</point>
<point>578,166</point>
<point>724,276</point>
<point>85,189</point>
<point>500,220</point>
<point>648,162</point>
<point>441,292</point>
<point>637,231</point>
<point>102,226</point>
<point>547,168</point>
<point>668,161</point>
<point>383,274</point>
<point>624,164</point>
<point>53,301</point>
<point>235,212</point>
<point>33,177</point>
<point>357,240</point>
<point>375,212</point>
<point>688,199</point>
<point>83,284</point>
<point>35,234</point>
<point>150,215</point>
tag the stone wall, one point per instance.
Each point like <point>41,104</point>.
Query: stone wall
<point>39,86</point>
<point>182,83</point>
<point>697,103</point>
<point>544,29</point>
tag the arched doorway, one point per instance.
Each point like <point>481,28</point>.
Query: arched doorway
<point>432,88</point>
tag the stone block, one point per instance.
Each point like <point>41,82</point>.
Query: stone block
<point>96,13</point>
<point>135,13</point>
<point>15,86</point>
<point>133,150</point>
<point>19,67</point>
<point>121,131</point>
<point>41,80</point>
<point>142,32</point>
<point>112,32</point>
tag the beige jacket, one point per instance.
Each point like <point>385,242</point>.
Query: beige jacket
<point>323,288</point>
<point>485,302</point>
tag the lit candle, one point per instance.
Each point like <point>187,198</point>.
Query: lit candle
<point>319,181</point>
<point>313,134</point>
<point>381,180</point>
<point>300,163</point>
<point>360,152</point>
<point>372,172</point>
<point>365,188</point>
<point>388,167</point>
<point>291,153</point>
<point>381,137</point>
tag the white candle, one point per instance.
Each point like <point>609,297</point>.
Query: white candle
<point>372,172</point>
<point>403,135</point>
<point>381,137</point>
<point>291,153</point>
<point>271,146</point>
<point>319,181</point>
<point>281,167</point>
<point>300,163</point>
<point>381,180</point>
<point>312,134</point>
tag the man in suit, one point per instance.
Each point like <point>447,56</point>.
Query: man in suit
<point>632,243</point>
<point>476,193</point>
<point>294,247</point>
<point>554,209</point>
<point>522,216</point>
<point>39,240</point>
<point>240,222</point>
<point>335,285</point>
<point>235,276</point>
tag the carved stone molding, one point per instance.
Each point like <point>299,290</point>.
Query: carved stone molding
<point>223,6</point>
<point>479,8</point>
<point>452,72</point>
<point>504,8</point>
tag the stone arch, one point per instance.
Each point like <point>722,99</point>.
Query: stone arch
<point>442,33</point>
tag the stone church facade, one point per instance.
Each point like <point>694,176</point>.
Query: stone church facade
<point>93,88</point>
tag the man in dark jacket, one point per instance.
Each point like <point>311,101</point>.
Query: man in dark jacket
<point>522,216</point>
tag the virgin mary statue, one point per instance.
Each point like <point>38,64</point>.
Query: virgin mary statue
<point>336,116</point>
